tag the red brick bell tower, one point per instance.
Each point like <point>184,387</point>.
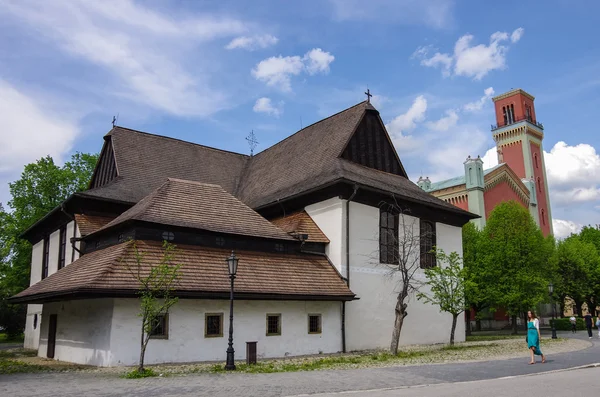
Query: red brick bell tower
<point>518,137</point>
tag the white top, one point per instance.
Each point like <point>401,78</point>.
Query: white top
<point>572,318</point>
<point>536,323</point>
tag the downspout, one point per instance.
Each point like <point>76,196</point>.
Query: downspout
<point>347,265</point>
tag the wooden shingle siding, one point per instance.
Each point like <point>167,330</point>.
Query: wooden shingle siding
<point>106,170</point>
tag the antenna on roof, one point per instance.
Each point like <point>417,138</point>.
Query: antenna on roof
<point>252,142</point>
<point>115,119</point>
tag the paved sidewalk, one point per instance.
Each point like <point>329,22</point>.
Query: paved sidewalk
<point>287,384</point>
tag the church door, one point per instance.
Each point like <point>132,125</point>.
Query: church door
<point>51,336</point>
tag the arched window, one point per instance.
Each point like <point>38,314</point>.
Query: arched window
<point>505,115</point>
<point>539,185</point>
<point>535,158</point>
<point>512,113</point>
<point>543,217</point>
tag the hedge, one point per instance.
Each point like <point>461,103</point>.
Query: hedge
<point>564,324</point>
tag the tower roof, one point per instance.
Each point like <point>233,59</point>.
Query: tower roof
<point>513,92</point>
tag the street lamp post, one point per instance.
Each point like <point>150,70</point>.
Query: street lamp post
<point>550,292</point>
<point>232,264</point>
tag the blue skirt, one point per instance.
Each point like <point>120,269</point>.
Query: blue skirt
<point>533,339</point>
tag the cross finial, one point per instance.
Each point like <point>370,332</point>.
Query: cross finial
<point>369,95</point>
<point>114,120</point>
<point>252,142</point>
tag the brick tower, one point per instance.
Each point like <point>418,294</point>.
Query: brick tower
<point>518,137</point>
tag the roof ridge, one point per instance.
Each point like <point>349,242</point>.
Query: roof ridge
<point>310,125</point>
<point>188,181</point>
<point>178,140</point>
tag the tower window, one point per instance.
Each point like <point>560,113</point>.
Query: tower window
<point>528,112</point>
<point>539,185</point>
<point>505,115</point>
<point>543,217</point>
<point>535,158</point>
<point>512,113</point>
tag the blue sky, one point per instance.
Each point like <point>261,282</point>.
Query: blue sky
<point>212,71</point>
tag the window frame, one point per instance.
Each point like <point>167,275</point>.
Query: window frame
<point>320,317</point>
<point>385,230</point>
<point>206,316</point>
<point>278,316</point>
<point>62,247</point>
<point>45,256</point>
<point>427,259</point>
<point>165,334</point>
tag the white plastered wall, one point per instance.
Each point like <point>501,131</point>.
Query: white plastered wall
<point>83,331</point>
<point>187,343</point>
<point>330,216</point>
<point>32,335</point>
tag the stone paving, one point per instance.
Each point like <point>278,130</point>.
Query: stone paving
<point>286,384</point>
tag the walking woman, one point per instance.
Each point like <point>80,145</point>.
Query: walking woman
<point>533,337</point>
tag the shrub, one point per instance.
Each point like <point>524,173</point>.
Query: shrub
<point>135,374</point>
<point>563,324</point>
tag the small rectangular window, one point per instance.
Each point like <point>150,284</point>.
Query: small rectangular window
<point>62,247</point>
<point>45,257</point>
<point>273,324</point>
<point>314,323</point>
<point>427,236</point>
<point>160,328</point>
<point>213,325</point>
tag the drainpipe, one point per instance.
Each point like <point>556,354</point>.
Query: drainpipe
<point>73,239</point>
<point>347,265</point>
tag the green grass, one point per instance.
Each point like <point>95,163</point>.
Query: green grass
<point>5,339</point>
<point>486,338</point>
<point>8,366</point>
<point>470,347</point>
<point>135,374</point>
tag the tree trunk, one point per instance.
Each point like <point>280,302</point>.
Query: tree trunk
<point>399,320</point>
<point>468,321</point>
<point>477,324</point>
<point>514,324</point>
<point>454,318</point>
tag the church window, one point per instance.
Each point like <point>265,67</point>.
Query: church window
<point>273,324</point>
<point>46,257</point>
<point>427,236</point>
<point>543,217</point>
<point>535,158</point>
<point>62,247</point>
<point>213,325</point>
<point>160,327</point>
<point>314,323</point>
<point>528,112</point>
<point>512,113</point>
<point>388,237</point>
<point>35,321</point>
<point>279,247</point>
<point>539,183</point>
<point>505,115</point>
<point>168,236</point>
<point>220,241</point>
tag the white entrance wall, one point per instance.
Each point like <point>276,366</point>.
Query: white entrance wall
<point>186,342</point>
<point>369,321</point>
<point>83,331</point>
<point>32,335</point>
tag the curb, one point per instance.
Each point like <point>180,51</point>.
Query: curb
<point>349,392</point>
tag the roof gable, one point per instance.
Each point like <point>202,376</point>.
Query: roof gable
<point>199,206</point>
<point>301,223</point>
<point>370,145</point>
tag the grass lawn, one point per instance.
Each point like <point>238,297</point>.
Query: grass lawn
<point>483,338</point>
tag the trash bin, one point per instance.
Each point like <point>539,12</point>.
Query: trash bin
<point>251,353</point>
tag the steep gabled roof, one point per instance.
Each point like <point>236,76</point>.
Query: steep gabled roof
<point>144,161</point>
<point>107,272</point>
<point>199,206</point>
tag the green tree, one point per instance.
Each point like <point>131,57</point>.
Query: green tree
<point>43,186</point>
<point>447,287</point>
<point>156,286</point>
<point>476,277</point>
<point>591,235</point>
<point>515,255</point>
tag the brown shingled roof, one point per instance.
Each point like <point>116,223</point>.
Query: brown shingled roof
<point>88,224</point>
<point>199,206</point>
<point>301,223</point>
<point>203,272</point>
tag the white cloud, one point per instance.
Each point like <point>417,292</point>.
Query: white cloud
<point>516,35</point>
<point>265,105</point>
<point>444,123</point>
<point>252,43</point>
<point>277,71</point>
<point>149,55</point>
<point>569,166</point>
<point>490,158</point>
<point>478,105</point>
<point>575,195</point>
<point>317,61</point>
<point>470,60</point>
<point>30,130</point>
<point>434,13</point>
<point>408,121</point>
<point>563,229</point>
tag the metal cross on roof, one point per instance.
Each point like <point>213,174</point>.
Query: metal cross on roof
<point>252,142</point>
<point>369,95</point>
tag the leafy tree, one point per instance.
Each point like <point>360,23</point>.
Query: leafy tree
<point>515,256</point>
<point>476,280</point>
<point>43,186</point>
<point>447,286</point>
<point>591,235</point>
<point>156,286</point>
